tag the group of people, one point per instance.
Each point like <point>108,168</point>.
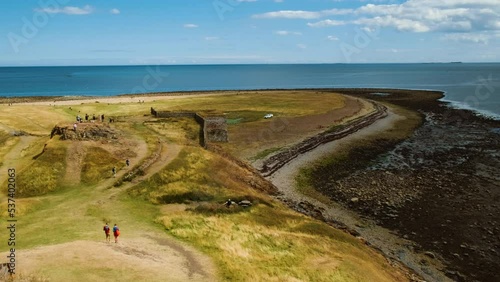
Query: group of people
<point>92,119</point>
<point>107,231</point>
<point>113,170</point>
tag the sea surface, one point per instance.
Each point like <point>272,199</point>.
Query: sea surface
<point>473,86</point>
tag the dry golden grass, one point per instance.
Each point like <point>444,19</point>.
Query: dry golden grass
<point>266,242</point>
<point>97,165</point>
<point>33,119</point>
<point>43,175</point>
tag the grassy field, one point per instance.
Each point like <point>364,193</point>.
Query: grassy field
<point>182,201</point>
<point>264,242</point>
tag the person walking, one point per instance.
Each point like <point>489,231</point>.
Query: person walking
<point>107,230</point>
<point>116,232</point>
<point>113,170</point>
<point>127,162</point>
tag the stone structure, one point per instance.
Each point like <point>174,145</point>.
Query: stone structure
<point>85,131</point>
<point>214,128</point>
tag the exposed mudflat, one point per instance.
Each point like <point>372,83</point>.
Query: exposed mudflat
<point>438,191</point>
<point>441,189</point>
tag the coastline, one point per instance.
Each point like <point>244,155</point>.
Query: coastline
<point>66,100</point>
<point>392,246</point>
<point>398,96</point>
<point>416,188</point>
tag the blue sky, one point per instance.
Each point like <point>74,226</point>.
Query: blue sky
<point>118,32</point>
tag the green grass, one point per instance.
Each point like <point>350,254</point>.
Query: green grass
<point>97,165</point>
<point>43,175</point>
<point>265,153</point>
<point>186,178</point>
<point>265,242</point>
<point>178,130</point>
<point>246,116</point>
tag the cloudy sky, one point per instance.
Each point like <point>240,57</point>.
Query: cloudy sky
<point>117,32</point>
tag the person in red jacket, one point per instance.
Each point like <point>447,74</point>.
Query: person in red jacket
<point>116,233</point>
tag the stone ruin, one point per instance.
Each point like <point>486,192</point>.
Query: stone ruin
<point>84,131</point>
<point>214,127</point>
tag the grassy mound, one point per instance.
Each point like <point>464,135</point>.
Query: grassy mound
<point>43,175</point>
<point>264,242</point>
<point>195,176</point>
<point>97,165</point>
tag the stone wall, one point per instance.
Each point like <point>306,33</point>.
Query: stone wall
<point>214,128</point>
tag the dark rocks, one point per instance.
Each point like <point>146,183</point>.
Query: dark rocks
<point>19,133</point>
<point>85,131</point>
<point>440,188</point>
<point>430,254</point>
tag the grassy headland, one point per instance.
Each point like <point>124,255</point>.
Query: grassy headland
<point>179,198</point>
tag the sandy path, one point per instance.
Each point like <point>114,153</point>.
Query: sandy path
<point>13,157</point>
<point>143,253</point>
<point>118,100</point>
<point>139,259</point>
<point>380,238</point>
<point>74,159</point>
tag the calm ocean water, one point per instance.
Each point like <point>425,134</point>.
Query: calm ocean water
<point>472,86</point>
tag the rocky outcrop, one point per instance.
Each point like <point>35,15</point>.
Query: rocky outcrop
<point>84,131</point>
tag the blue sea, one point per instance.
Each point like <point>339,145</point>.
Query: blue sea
<point>473,86</point>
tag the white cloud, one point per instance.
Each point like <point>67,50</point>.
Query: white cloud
<point>286,32</point>
<point>288,15</point>
<point>397,23</point>
<point>190,25</point>
<point>332,38</point>
<point>299,14</point>
<point>429,15</point>
<point>325,23</point>
<point>279,1</point>
<point>211,38</point>
<point>68,10</point>
<point>301,46</point>
<point>468,37</point>
<point>457,16</point>
<point>115,11</point>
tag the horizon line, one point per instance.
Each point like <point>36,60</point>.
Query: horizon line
<point>229,64</point>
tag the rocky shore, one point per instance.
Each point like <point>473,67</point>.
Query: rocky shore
<point>276,161</point>
<point>439,189</point>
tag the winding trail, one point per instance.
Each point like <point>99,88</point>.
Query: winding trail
<point>380,238</point>
<point>143,253</point>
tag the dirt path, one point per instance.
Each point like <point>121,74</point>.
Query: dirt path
<point>74,159</point>
<point>143,253</point>
<point>133,259</point>
<point>380,238</point>
<point>12,158</point>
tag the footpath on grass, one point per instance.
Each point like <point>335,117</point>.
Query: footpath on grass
<point>143,252</point>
